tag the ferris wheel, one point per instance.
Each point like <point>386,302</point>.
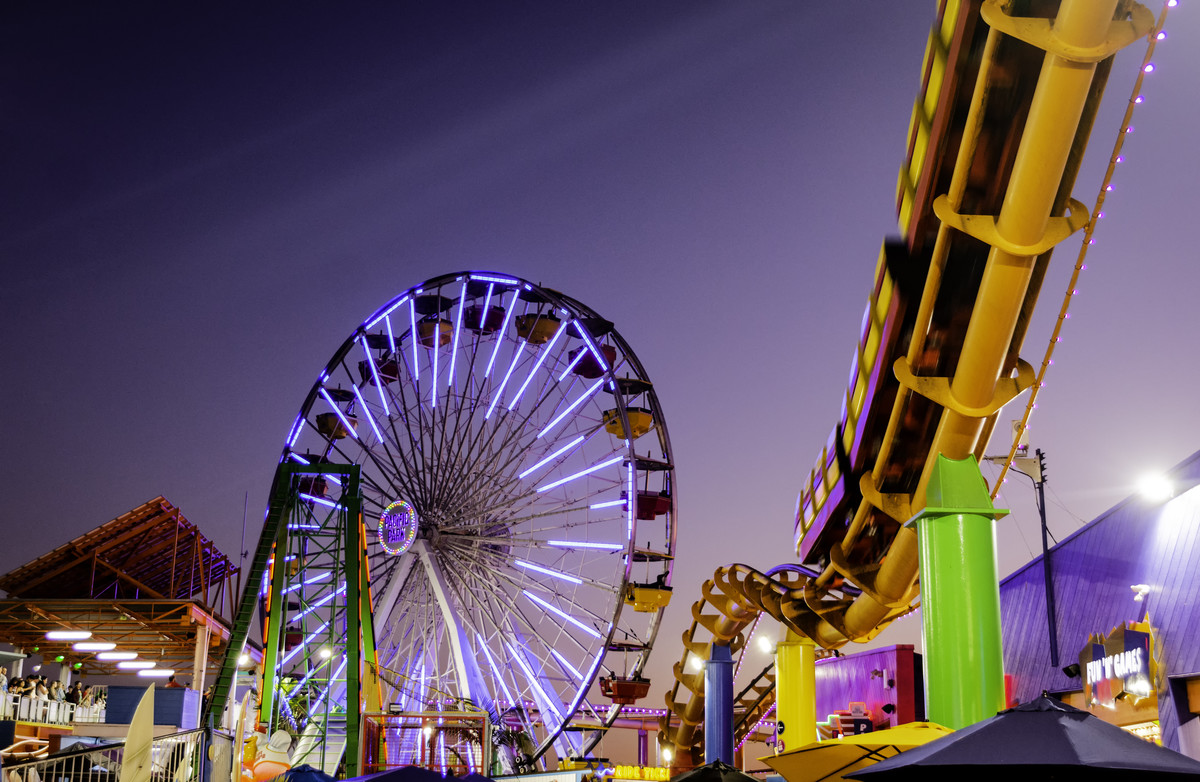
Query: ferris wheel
<point>518,495</point>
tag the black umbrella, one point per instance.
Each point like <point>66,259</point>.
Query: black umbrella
<point>304,773</point>
<point>717,771</point>
<point>1043,739</point>
<point>402,774</point>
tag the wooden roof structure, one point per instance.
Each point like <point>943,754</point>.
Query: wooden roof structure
<point>151,552</point>
<point>148,581</point>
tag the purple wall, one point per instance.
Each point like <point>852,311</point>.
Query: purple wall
<point>841,680</point>
<point>1134,543</point>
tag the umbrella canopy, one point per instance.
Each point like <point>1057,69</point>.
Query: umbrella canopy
<point>717,771</point>
<point>304,773</point>
<point>402,774</point>
<point>1044,738</point>
<point>823,760</point>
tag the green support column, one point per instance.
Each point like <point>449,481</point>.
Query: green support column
<point>795,693</point>
<point>355,565</point>
<point>960,596</point>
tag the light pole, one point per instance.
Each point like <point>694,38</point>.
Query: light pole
<point>1035,470</point>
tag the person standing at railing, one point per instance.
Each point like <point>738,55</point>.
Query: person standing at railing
<point>3,680</point>
<point>74,693</point>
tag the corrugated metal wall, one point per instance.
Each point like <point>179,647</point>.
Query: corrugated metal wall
<point>1134,543</point>
<point>840,680</point>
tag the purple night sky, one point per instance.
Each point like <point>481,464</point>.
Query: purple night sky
<point>198,209</point>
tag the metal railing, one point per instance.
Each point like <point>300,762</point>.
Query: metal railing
<point>26,708</point>
<point>179,757</point>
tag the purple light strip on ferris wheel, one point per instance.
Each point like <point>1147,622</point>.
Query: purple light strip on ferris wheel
<point>462,301</point>
<point>563,662</point>
<point>591,345</point>
<point>609,504</point>
<point>318,577</point>
<point>581,473</point>
<point>585,544</point>
<point>296,427</point>
<point>500,391</point>
<point>321,501</point>
<point>336,675</point>
<point>499,339</point>
<point>412,321</point>
<point>303,642</point>
<point>547,571</point>
<point>573,405</point>
<point>362,341</point>
<point>533,682</point>
<point>318,604</point>
<point>494,279</point>
<point>326,476</point>
<point>553,609</point>
<point>345,421</point>
<point>486,304</point>
<point>495,669</point>
<point>553,456</point>
<point>391,337</point>
<point>574,362</point>
<point>370,418</point>
<point>380,316</point>
<point>561,328</point>
<point>632,495</point>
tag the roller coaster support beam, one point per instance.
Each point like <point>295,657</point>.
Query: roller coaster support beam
<point>795,692</point>
<point>960,598</point>
<point>718,706</point>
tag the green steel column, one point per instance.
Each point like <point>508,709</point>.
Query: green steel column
<point>355,563</point>
<point>273,629</point>
<point>795,693</point>
<point>960,596</point>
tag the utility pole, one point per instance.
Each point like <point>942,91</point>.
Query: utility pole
<point>1035,470</point>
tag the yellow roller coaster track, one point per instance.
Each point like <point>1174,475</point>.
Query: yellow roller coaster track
<point>1010,91</point>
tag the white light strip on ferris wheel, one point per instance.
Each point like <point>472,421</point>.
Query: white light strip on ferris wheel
<point>578,357</point>
<point>495,669</point>
<point>574,405</point>
<point>487,303</point>
<point>631,494</point>
<point>493,279</point>
<point>563,662</point>
<point>547,571</point>
<point>327,476</point>
<point>462,301</point>
<point>391,336</point>
<point>318,604</point>
<point>585,544</point>
<point>500,392</point>
<point>609,504</point>
<point>295,433</point>
<point>345,421</point>
<point>533,682</point>
<point>499,339</point>
<point>591,346</point>
<point>587,629</point>
<point>582,473</point>
<point>318,577</point>
<point>385,313</point>
<point>561,328</point>
<point>412,321</point>
<point>321,501</point>
<point>362,341</point>
<point>304,642</point>
<point>553,456</point>
<point>367,412</point>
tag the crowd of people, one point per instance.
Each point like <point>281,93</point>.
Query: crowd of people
<point>37,687</point>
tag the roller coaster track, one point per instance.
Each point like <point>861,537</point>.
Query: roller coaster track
<point>1010,92</point>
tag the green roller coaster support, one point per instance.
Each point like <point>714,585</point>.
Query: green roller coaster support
<point>334,549</point>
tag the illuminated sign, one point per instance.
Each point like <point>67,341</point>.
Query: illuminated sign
<point>1119,665</point>
<point>397,527</point>
<point>642,773</point>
